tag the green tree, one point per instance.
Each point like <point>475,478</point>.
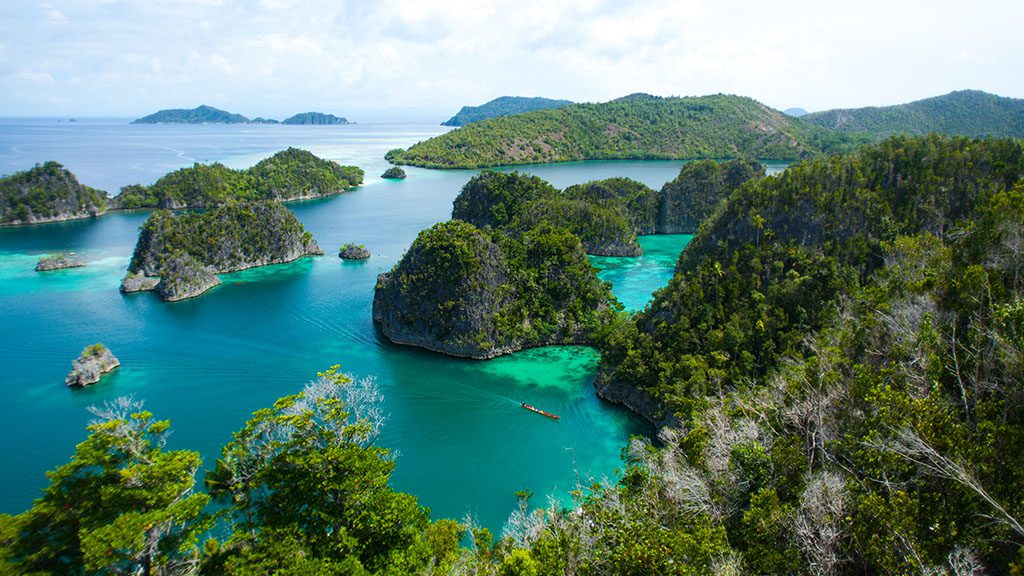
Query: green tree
<point>307,473</point>
<point>123,505</point>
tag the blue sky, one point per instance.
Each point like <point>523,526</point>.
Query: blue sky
<point>277,57</point>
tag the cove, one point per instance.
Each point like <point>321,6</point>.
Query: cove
<point>465,445</point>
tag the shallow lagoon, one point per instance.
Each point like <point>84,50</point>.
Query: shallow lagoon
<point>465,445</point>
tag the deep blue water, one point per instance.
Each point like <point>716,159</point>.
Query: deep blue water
<point>207,363</point>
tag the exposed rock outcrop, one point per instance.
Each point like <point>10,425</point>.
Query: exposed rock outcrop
<point>91,365</point>
<point>138,282</point>
<point>353,252</point>
<point>58,262</point>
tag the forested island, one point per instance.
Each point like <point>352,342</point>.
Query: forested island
<point>502,106</point>
<point>510,272</point>
<point>180,255</point>
<point>837,367</point>
<point>291,174</point>
<point>469,292</point>
<point>47,193</point>
<point>963,113</point>
<point>209,115</point>
<point>639,126</point>
<point>315,118</point>
<point>642,126</point>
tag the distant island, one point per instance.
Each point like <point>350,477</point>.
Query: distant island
<point>503,106</point>
<point>47,193</point>
<point>795,112</point>
<point>639,126</point>
<point>209,115</point>
<point>314,118</point>
<point>180,255</point>
<point>292,174</point>
<point>963,113</point>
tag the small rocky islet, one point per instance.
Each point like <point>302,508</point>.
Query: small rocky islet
<point>94,361</point>
<point>58,261</point>
<point>353,252</point>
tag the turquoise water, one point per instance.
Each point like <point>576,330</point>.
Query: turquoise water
<point>206,364</point>
<point>634,280</point>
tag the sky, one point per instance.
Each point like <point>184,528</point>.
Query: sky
<point>274,58</point>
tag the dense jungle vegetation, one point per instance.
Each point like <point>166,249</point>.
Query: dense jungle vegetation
<point>290,174</point>
<point>634,127</point>
<point>838,366</point>
<point>47,192</point>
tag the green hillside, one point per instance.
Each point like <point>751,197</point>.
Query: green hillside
<point>635,127</point>
<point>963,113</point>
<point>503,106</point>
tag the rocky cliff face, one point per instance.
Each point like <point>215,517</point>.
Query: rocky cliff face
<point>91,365</point>
<point>459,291</point>
<point>186,251</point>
<point>47,193</point>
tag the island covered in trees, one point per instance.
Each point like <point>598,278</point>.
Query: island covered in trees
<point>835,368</point>
<point>291,174</point>
<point>180,255</point>
<point>502,106</point>
<point>209,115</point>
<point>638,126</point>
<point>642,126</point>
<point>47,193</point>
<point>963,113</point>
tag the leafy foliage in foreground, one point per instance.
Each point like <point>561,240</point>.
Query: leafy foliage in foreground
<point>290,174</point>
<point>47,192</point>
<point>634,127</point>
<point>840,352</point>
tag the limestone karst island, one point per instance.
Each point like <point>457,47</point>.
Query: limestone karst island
<point>648,288</point>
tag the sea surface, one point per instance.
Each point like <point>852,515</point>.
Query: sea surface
<point>465,445</point>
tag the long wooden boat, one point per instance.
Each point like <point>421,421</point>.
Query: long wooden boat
<point>539,411</point>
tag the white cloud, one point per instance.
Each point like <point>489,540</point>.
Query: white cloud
<point>269,57</point>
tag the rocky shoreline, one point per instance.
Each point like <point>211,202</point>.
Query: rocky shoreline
<point>94,362</point>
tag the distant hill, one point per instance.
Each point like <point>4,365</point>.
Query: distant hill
<point>795,112</point>
<point>503,106</point>
<point>209,115</point>
<point>318,118</point>
<point>965,113</point>
<point>199,115</point>
<point>639,126</point>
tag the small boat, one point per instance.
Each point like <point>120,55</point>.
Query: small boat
<point>539,411</point>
